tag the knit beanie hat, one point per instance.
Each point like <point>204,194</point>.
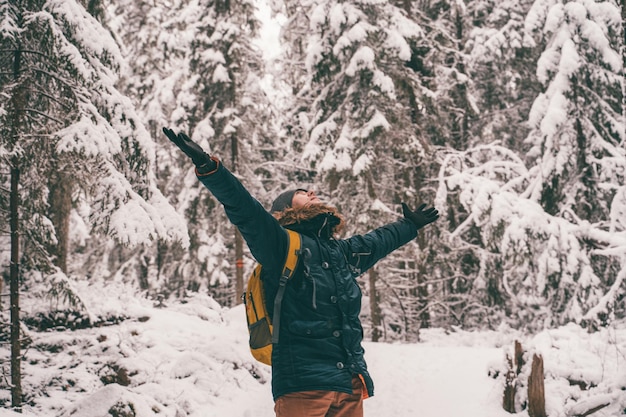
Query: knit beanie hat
<point>283,201</point>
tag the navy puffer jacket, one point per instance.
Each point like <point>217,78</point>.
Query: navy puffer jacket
<point>321,334</point>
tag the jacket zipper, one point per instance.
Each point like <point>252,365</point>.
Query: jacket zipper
<point>307,274</point>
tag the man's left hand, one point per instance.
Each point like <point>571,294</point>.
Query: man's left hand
<point>422,216</point>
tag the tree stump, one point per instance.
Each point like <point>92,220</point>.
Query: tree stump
<point>536,393</point>
<point>508,399</point>
<point>515,367</point>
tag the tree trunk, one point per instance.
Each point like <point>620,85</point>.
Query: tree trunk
<point>16,373</point>
<point>234,149</point>
<point>239,265</point>
<point>375,307</point>
<point>14,275</point>
<point>519,357</point>
<point>60,201</point>
<point>536,393</point>
<point>422,295</point>
<point>624,60</point>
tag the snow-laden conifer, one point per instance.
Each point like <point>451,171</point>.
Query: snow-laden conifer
<point>195,68</point>
<point>543,224</point>
<point>75,138</point>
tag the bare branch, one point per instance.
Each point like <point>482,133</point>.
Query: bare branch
<point>47,116</point>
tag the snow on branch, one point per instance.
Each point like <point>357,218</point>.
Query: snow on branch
<point>541,255</point>
<point>131,219</point>
<point>602,308</point>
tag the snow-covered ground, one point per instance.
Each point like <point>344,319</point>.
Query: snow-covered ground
<point>192,359</point>
<point>431,380</point>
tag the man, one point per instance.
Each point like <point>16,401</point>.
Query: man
<point>318,369</point>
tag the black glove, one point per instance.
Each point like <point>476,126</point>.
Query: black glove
<point>191,149</point>
<point>420,217</point>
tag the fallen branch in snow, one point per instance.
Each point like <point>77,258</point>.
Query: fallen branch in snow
<point>589,406</point>
<point>593,410</point>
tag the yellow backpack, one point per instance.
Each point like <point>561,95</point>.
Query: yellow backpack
<point>262,333</point>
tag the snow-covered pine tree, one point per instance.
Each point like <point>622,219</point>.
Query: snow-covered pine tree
<point>502,69</point>
<point>548,221</point>
<point>83,154</point>
<point>578,147</point>
<point>155,43</point>
<point>448,112</point>
<point>231,111</point>
<point>503,84</point>
<point>194,67</point>
<point>365,111</point>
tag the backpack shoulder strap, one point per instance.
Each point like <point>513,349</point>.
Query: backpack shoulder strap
<point>295,243</point>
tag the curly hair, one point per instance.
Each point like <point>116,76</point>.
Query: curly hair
<point>291,216</point>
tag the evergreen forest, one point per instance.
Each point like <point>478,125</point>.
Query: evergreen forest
<point>509,116</point>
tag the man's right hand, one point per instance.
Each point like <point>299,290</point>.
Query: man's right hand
<point>189,147</point>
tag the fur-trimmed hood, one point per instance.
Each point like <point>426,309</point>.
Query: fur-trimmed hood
<point>317,220</point>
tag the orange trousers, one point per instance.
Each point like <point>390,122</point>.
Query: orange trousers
<point>322,403</point>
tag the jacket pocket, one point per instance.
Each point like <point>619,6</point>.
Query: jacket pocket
<point>312,329</point>
<point>260,334</point>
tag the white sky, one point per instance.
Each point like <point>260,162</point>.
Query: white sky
<point>268,40</point>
